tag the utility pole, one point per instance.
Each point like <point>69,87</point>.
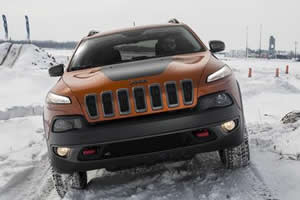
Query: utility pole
<point>296,43</point>
<point>247,42</point>
<point>260,41</point>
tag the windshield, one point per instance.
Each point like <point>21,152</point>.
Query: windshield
<point>134,45</point>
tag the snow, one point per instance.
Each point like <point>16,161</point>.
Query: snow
<point>273,173</point>
<point>4,49</point>
<point>28,78</point>
<point>266,101</point>
<point>14,52</point>
<point>24,144</point>
<point>280,175</point>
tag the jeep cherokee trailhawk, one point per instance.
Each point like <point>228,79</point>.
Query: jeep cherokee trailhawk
<point>140,96</point>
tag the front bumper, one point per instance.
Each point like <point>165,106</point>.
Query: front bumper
<point>146,127</point>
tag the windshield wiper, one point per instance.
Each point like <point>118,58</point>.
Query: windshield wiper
<point>141,57</point>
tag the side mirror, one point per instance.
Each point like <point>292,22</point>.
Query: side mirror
<point>57,70</point>
<point>216,46</point>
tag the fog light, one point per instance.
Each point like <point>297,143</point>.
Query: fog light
<point>62,151</point>
<point>228,126</point>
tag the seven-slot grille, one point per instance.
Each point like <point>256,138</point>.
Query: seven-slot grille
<point>139,98</point>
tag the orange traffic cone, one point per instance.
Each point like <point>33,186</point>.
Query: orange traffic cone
<point>250,73</point>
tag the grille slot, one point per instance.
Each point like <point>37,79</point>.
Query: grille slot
<point>139,99</point>
<point>91,104</point>
<point>107,104</point>
<point>123,101</point>
<point>172,96</point>
<point>155,93</point>
<point>187,89</point>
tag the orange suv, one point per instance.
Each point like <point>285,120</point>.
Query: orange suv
<point>140,96</point>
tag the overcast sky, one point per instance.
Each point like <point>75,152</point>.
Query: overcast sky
<point>211,19</point>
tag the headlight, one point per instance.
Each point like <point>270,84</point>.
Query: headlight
<point>214,101</point>
<point>57,99</point>
<point>66,124</point>
<point>221,73</point>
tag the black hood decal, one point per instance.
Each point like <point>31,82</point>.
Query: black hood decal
<point>136,69</point>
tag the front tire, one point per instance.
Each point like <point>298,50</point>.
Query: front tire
<point>63,182</point>
<point>236,157</point>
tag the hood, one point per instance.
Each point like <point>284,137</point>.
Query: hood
<point>150,71</point>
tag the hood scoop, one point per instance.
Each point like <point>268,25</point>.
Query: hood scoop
<point>136,69</point>
<point>88,74</point>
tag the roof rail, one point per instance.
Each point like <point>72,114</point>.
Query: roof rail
<point>92,32</point>
<point>173,21</point>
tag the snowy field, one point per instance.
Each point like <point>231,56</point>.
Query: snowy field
<point>275,147</point>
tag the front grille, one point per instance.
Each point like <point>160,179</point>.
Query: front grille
<point>138,98</point>
<point>91,104</point>
<point>123,101</point>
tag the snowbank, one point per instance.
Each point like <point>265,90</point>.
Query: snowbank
<point>21,111</point>
<point>33,57</point>
<point>26,83</point>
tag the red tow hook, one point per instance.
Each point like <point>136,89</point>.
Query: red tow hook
<point>202,133</point>
<point>89,152</point>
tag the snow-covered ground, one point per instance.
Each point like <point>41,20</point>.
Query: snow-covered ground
<point>273,173</point>
<point>25,75</point>
<point>267,99</point>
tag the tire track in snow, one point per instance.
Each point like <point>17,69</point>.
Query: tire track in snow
<point>203,178</point>
<point>12,55</point>
<point>17,55</point>
<point>4,58</point>
<point>34,183</point>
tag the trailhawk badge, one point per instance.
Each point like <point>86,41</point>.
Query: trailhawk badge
<point>136,82</point>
